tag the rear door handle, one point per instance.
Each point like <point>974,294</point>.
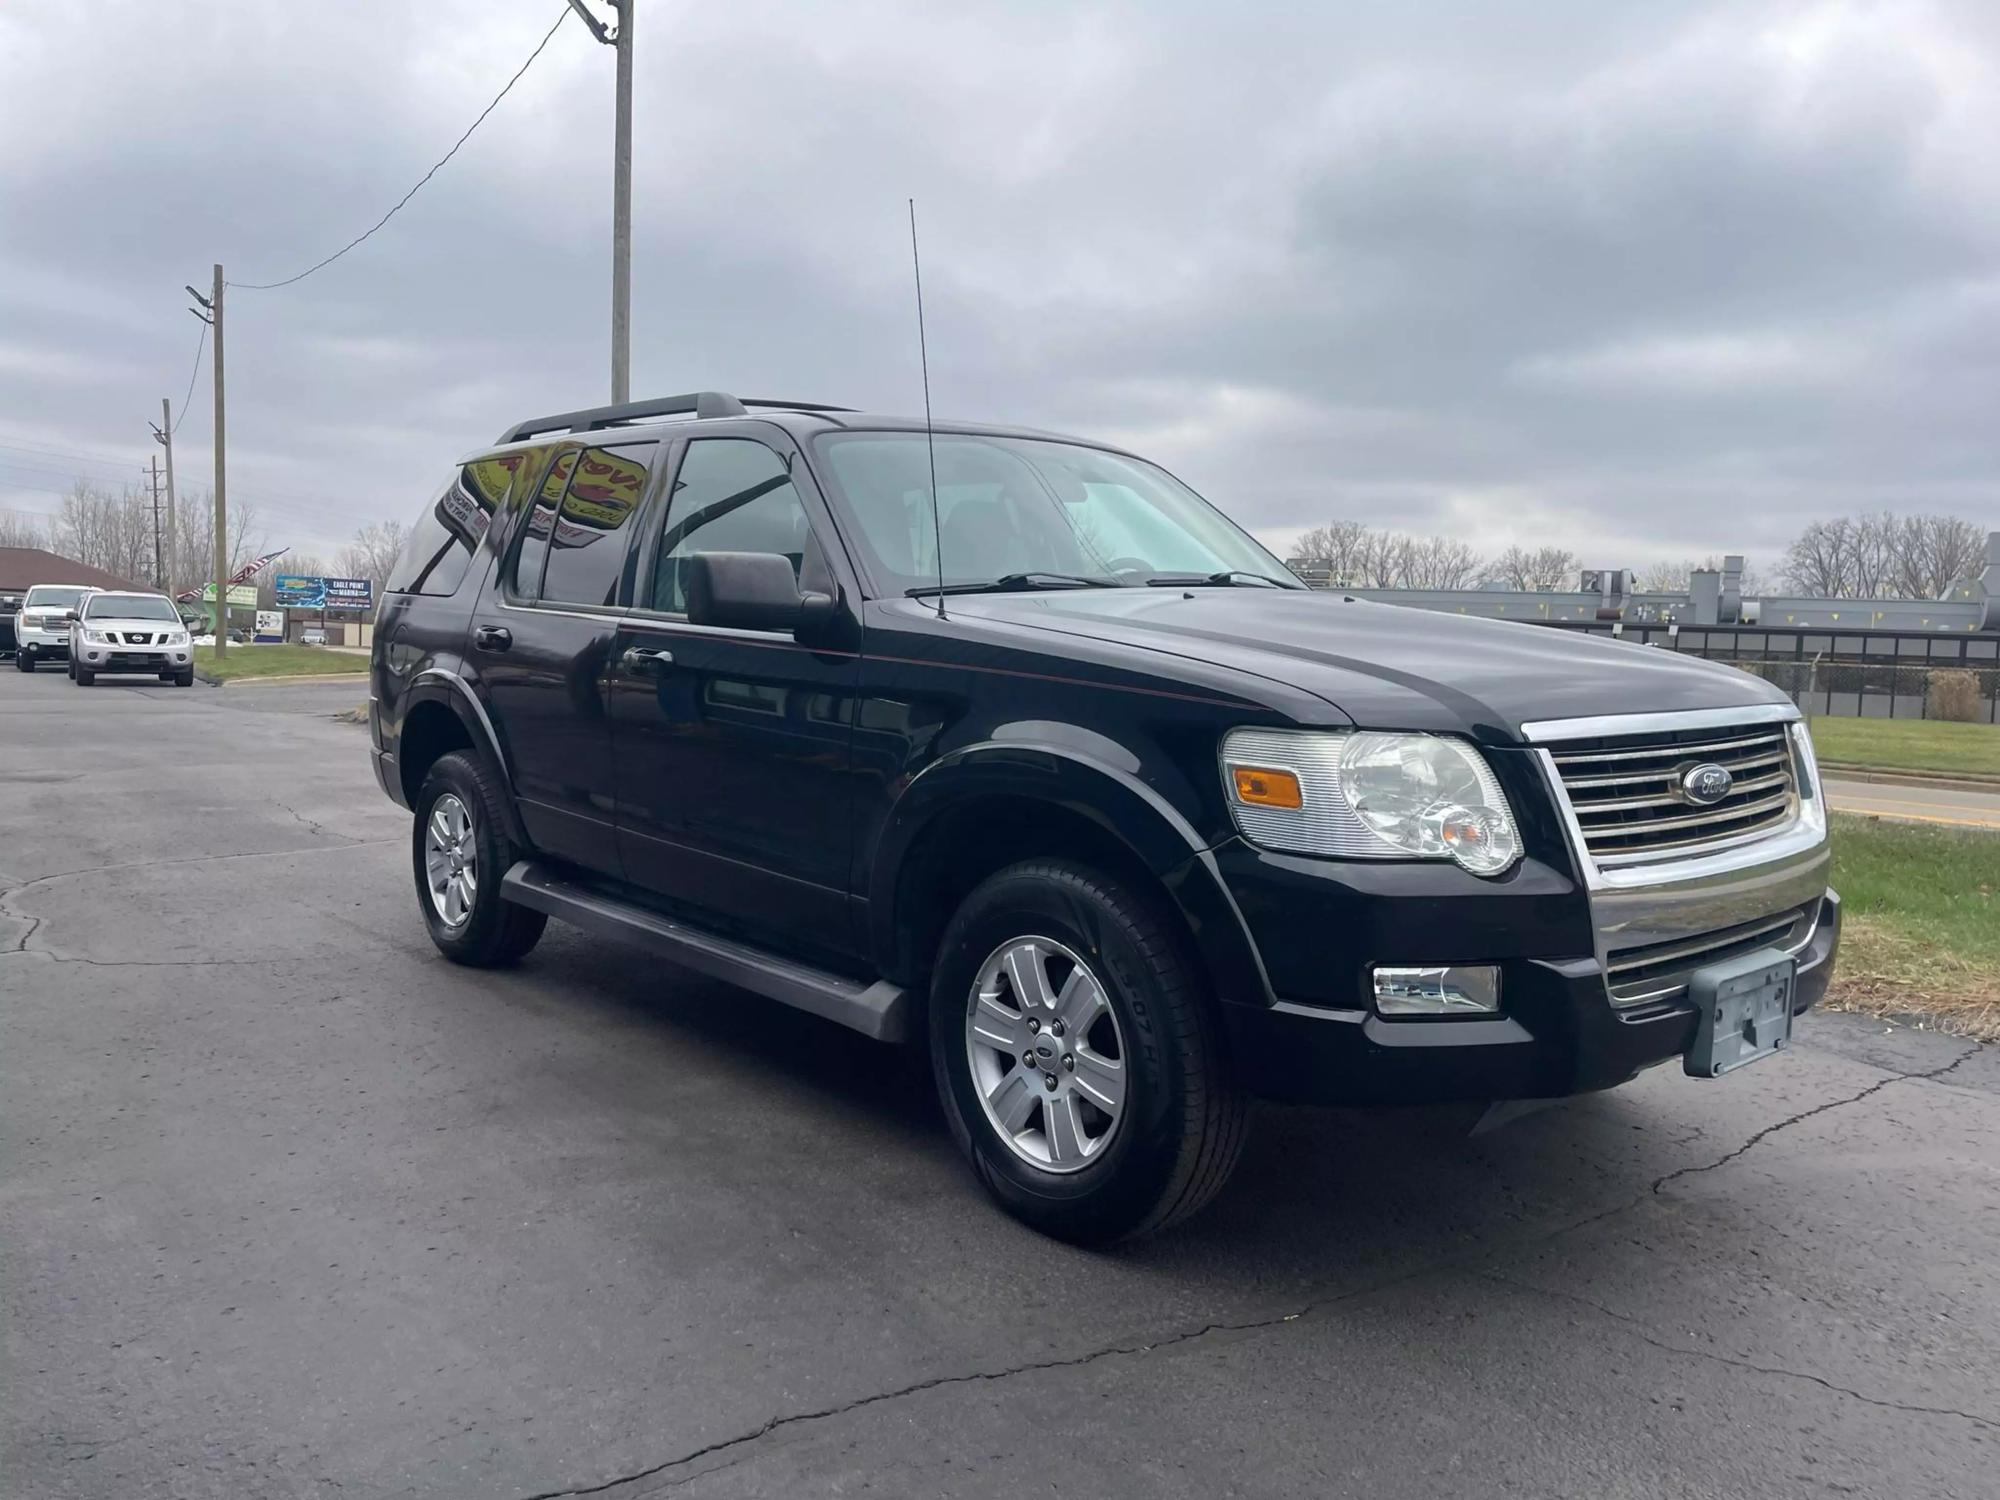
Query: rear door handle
<point>492,637</point>
<point>638,658</point>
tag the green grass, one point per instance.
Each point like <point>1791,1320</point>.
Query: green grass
<point>274,661</point>
<point>1909,745</point>
<point>1922,908</point>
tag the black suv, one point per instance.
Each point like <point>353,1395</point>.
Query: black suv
<point>1100,805</point>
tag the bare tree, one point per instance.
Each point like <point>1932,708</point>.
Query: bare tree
<point>1539,570</point>
<point>1882,556</point>
<point>1439,562</point>
<point>1337,546</point>
<point>1672,577</point>
<point>373,552</point>
<point>1384,560</point>
<point>19,529</point>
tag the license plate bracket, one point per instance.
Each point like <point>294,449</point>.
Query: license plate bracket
<point>1744,1010</point>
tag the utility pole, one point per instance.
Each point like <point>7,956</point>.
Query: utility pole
<point>213,317</point>
<point>621,193</point>
<point>164,435</point>
<point>159,562</point>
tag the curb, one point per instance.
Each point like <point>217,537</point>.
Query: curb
<point>1835,771</point>
<point>286,677</point>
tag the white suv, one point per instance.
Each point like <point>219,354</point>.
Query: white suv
<point>130,633</point>
<point>41,628</point>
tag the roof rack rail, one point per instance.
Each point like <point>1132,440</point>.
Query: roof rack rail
<point>698,403</point>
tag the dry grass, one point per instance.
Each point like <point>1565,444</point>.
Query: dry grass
<point>1883,971</point>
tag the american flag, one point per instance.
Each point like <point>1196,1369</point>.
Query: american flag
<point>242,575</point>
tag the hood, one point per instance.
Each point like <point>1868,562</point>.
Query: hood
<point>1387,666</point>
<point>127,622</point>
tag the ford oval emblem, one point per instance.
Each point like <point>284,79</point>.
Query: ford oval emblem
<point>1706,784</point>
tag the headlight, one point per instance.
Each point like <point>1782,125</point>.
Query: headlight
<point>1812,806</point>
<point>1364,794</point>
<point>177,637</point>
<point>97,637</point>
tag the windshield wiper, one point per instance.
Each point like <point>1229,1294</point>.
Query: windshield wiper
<point>1014,583</point>
<point>1224,579</point>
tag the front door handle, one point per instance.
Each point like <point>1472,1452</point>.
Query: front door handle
<point>639,657</point>
<point>492,637</point>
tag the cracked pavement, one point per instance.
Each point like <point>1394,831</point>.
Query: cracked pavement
<point>290,1207</point>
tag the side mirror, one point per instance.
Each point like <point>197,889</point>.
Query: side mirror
<point>69,614</point>
<point>750,591</point>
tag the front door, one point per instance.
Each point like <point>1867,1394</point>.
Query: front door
<point>732,746</point>
<point>541,641</point>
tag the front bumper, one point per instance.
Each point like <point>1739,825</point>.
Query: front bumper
<point>43,645</point>
<point>1558,1034</point>
<point>135,658</point>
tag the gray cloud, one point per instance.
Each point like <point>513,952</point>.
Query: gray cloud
<point>1652,280</point>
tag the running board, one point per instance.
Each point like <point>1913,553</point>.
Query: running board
<point>880,1010</point>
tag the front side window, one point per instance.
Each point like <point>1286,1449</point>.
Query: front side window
<point>731,495</point>
<point>1028,506</point>
<point>586,549</point>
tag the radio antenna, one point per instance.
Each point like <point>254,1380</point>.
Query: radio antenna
<point>930,441</point>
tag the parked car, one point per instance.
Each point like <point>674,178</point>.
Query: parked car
<point>312,636</point>
<point>121,632</point>
<point>41,628</point>
<point>1102,806</point>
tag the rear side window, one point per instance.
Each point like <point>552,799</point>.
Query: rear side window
<point>586,551</point>
<point>448,532</point>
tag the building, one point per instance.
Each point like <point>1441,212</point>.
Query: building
<point>21,568</point>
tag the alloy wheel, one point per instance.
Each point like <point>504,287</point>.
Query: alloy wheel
<point>1047,1056</point>
<point>451,860</point>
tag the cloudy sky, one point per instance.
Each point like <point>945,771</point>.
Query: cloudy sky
<point>1648,279</point>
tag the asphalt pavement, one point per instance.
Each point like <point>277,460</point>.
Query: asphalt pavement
<point>1957,807</point>
<point>291,1207</point>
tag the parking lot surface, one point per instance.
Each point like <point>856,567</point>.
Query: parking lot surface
<point>289,1206</point>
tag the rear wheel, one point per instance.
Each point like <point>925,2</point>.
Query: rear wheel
<point>459,851</point>
<point>1079,1066</point>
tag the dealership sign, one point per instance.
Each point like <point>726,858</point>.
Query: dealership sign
<point>241,595</point>
<point>309,591</point>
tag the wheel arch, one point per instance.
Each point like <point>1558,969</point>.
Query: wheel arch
<point>440,714</point>
<point>983,808</point>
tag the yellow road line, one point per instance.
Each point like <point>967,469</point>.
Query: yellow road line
<point>1910,817</point>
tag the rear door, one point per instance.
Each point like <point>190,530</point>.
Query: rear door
<point>542,636</point>
<point>733,745</point>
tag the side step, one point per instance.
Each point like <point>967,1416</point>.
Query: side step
<point>880,1010</point>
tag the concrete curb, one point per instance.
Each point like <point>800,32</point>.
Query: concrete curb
<point>286,677</point>
<point>1835,771</point>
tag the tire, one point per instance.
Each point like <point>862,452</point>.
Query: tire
<point>85,677</point>
<point>24,663</point>
<point>1181,1117</point>
<point>185,678</point>
<point>488,932</point>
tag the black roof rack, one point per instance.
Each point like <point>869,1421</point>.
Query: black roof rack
<point>698,403</point>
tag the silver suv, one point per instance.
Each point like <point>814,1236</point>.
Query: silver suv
<point>130,633</point>
<point>41,628</point>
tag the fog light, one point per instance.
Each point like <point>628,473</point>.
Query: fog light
<point>1453,990</point>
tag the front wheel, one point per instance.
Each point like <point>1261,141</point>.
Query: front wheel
<point>1079,1066</point>
<point>184,678</point>
<point>459,850</point>
<point>24,663</point>
<point>85,677</point>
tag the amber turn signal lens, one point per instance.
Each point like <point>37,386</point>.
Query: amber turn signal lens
<point>1264,786</point>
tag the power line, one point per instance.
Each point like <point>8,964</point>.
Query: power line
<point>266,286</point>
<point>200,343</point>
<point>101,459</point>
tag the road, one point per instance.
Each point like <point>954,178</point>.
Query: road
<point>1949,806</point>
<point>291,1207</point>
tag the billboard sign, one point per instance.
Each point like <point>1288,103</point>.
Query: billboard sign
<point>270,625</point>
<point>310,591</point>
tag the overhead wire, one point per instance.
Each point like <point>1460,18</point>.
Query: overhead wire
<point>200,343</point>
<point>266,286</point>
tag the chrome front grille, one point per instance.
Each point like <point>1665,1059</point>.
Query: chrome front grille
<point>1627,796</point>
<point>1659,971</point>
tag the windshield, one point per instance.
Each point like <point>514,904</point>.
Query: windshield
<point>1027,506</point>
<point>130,607</point>
<point>49,596</point>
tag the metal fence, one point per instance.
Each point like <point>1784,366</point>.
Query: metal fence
<point>1869,674</point>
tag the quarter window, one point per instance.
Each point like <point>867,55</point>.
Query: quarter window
<point>731,495</point>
